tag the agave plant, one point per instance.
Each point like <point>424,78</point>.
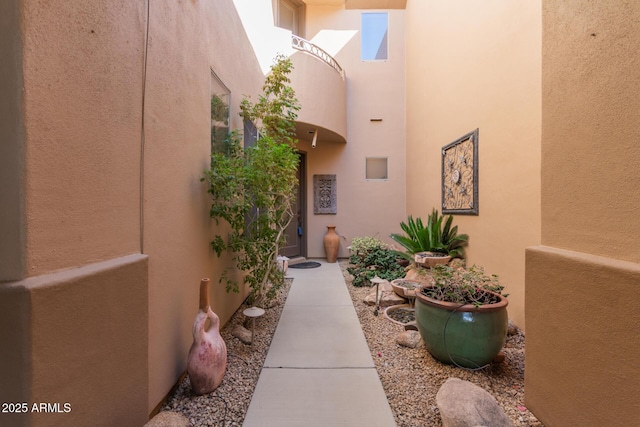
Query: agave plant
<point>435,237</point>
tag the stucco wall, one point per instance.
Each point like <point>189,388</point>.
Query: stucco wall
<point>15,365</point>
<point>590,129</point>
<point>95,194</point>
<point>322,93</point>
<point>73,110</point>
<point>581,364</point>
<point>177,227</point>
<point>82,111</point>
<point>477,65</point>
<point>12,246</point>
<point>88,343</point>
<point>374,90</point>
<point>78,337</point>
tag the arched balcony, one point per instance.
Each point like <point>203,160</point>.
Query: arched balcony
<point>320,86</point>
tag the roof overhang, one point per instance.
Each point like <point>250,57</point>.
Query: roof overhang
<point>305,132</point>
<point>362,4</point>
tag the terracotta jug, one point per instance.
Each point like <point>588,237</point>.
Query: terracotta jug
<point>207,359</point>
<point>331,243</point>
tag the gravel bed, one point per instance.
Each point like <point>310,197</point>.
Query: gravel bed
<point>411,377</point>
<point>228,404</point>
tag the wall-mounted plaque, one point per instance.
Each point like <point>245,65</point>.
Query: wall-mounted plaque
<point>325,196</point>
<point>460,175</point>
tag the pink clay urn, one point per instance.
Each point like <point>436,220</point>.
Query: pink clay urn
<point>207,359</point>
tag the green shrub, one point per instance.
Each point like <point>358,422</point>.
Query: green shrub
<point>362,245</point>
<point>379,261</point>
<point>252,189</point>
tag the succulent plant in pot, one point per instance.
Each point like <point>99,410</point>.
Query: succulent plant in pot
<point>438,239</point>
<point>462,318</point>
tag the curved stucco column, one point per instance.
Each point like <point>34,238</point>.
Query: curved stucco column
<point>322,93</point>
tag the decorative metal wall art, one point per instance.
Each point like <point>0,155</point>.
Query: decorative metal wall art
<point>460,175</point>
<point>325,196</point>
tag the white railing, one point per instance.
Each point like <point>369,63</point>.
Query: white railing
<point>310,48</point>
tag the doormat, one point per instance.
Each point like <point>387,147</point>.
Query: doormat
<point>306,264</point>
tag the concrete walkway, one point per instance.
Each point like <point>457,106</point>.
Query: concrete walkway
<point>319,371</point>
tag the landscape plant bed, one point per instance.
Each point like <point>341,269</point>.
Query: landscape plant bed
<point>412,377</point>
<point>405,373</point>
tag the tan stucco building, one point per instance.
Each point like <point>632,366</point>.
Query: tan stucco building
<point>105,130</point>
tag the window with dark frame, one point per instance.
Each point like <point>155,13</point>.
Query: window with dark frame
<point>220,99</point>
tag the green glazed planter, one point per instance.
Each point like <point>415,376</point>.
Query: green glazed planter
<point>462,335</point>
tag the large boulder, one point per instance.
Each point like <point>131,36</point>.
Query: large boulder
<point>243,334</point>
<point>409,338</point>
<point>386,295</point>
<point>420,274</point>
<point>464,404</point>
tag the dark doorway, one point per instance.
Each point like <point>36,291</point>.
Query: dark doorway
<point>296,231</point>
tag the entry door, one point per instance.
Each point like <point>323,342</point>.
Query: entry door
<point>295,245</point>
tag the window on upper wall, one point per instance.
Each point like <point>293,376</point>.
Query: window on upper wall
<point>290,15</point>
<point>376,168</point>
<point>220,98</point>
<point>374,36</point>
